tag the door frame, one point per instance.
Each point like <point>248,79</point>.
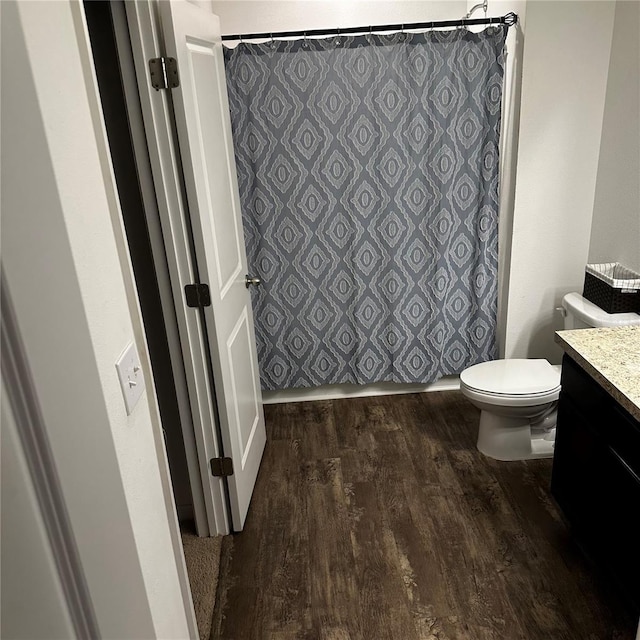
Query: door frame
<point>96,490</point>
<point>113,61</point>
<point>26,424</point>
<point>204,133</point>
<point>157,112</point>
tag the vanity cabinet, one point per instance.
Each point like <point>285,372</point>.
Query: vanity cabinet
<point>596,475</point>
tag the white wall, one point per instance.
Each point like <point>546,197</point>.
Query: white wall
<point>67,264</point>
<point>615,233</point>
<point>262,16</point>
<point>566,60</point>
<point>29,571</point>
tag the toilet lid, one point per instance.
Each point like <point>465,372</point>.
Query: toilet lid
<point>512,377</point>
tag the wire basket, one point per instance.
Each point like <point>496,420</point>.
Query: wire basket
<point>613,287</point>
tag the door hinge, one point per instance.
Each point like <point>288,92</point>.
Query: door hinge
<point>197,295</point>
<point>221,467</point>
<point>164,73</point>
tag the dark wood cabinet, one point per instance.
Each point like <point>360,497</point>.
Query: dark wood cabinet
<point>596,475</point>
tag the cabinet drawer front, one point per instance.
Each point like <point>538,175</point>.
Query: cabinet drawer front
<point>578,474</point>
<point>623,434</point>
<point>618,541</point>
<point>583,390</point>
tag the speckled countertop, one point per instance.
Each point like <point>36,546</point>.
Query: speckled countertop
<point>611,356</point>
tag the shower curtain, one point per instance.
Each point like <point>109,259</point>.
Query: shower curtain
<point>368,177</point>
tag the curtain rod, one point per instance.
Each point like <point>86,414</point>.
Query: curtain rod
<point>509,19</point>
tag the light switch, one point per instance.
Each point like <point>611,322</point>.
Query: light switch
<point>130,376</point>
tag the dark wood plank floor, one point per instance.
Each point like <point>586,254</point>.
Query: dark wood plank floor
<point>378,519</point>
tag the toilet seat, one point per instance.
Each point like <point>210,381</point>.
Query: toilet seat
<point>522,400</point>
<point>512,382</point>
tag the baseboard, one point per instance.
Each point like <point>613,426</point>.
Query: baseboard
<point>336,391</point>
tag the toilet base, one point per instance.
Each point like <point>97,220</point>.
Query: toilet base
<point>510,438</point>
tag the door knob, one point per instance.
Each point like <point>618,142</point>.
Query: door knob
<point>248,281</point>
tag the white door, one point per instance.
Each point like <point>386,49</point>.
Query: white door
<point>192,36</point>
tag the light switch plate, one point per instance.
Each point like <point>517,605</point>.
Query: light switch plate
<point>130,376</point>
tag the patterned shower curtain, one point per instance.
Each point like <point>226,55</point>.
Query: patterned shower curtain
<point>368,176</point>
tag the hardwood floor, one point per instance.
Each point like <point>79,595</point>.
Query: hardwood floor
<point>377,518</point>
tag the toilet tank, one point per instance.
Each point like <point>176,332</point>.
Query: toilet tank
<point>580,313</point>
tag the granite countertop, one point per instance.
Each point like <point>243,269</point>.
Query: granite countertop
<point>611,356</point>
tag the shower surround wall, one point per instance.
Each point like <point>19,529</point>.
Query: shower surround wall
<point>534,230</point>
<point>368,174</point>
<point>250,16</point>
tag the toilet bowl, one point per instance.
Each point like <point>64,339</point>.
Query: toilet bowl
<point>517,398</point>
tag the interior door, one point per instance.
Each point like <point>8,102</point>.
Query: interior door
<point>192,36</point>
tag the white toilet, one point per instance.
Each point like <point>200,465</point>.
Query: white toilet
<point>518,398</point>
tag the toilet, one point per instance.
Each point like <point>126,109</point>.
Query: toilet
<point>518,398</point>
